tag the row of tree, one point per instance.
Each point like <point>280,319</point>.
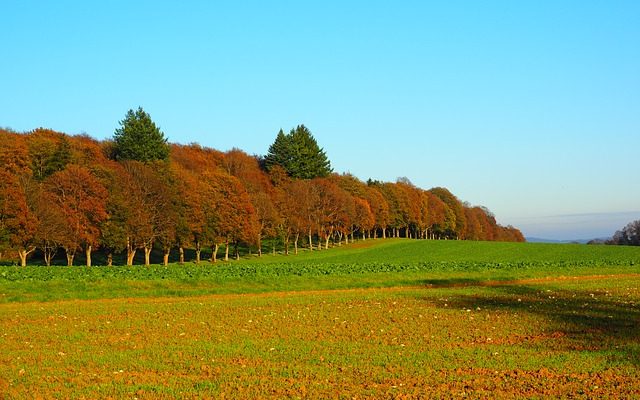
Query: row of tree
<point>74,193</point>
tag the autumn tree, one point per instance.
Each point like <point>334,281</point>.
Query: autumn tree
<point>509,234</point>
<point>196,159</point>
<point>299,209</point>
<point>436,213</point>
<point>82,198</point>
<point>49,152</point>
<point>151,207</point>
<point>235,219</point>
<point>260,189</point>
<point>330,211</point>
<point>411,201</point>
<point>380,209</point>
<point>18,222</point>
<point>363,219</point>
<point>51,225</point>
<point>113,230</point>
<point>398,207</point>
<point>14,153</point>
<point>138,138</point>
<point>192,164</point>
<point>455,215</point>
<point>190,211</point>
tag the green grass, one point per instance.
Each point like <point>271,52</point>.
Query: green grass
<point>382,263</point>
<point>409,251</point>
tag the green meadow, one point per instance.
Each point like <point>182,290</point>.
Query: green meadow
<point>364,264</point>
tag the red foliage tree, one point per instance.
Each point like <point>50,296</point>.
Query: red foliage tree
<point>379,208</point>
<point>260,189</point>
<point>18,222</point>
<point>82,199</point>
<point>235,219</point>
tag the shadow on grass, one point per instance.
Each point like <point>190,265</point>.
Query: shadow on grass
<point>592,319</point>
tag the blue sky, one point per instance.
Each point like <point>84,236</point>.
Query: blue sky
<point>531,108</point>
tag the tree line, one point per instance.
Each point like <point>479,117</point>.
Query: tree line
<point>627,236</point>
<point>137,193</point>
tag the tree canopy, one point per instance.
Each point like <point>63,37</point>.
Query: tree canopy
<point>299,154</point>
<point>61,192</point>
<point>139,139</point>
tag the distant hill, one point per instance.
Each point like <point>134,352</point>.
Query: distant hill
<point>580,241</point>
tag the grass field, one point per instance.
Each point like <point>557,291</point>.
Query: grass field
<point>385,319</point>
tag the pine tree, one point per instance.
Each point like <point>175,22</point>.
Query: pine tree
<point>299,154</point>
<point>279,151</point>
<point>138,138</point>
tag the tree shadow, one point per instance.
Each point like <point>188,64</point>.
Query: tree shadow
<point>586,319</point>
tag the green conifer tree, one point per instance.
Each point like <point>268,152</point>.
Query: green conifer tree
<point>299,154</point>
<point>138,138</point>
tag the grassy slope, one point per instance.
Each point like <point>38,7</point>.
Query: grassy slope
<point>381,263</point>
<point>402,250</point>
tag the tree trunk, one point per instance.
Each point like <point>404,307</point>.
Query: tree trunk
<point>48,254</point>
<point>23,253</point>
<point>23,258</point>
<point>131,252</point>
<point>286,246</point>
<point>70,255</point>
<point>147,255</point>
<point>87,252</point>
<point>237,252</point>
<point>384,233</point>
<point>165,256</point>
<point>110,258</point>
<point>259,245</point>
<point>181,250</point>
<point>226,251</point>
<point>214,256</point>
<point>130,256</point>
<point>198,250</point>
<point>310,241</point>
<point>295,243</point>
<point>326,242</point>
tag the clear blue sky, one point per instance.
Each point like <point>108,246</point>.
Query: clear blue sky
<point>531,108</point>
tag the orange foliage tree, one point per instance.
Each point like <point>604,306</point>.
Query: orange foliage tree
<point>261,193</point>
<point>150,205</point>
<point>234,216</point>
<point>18,222</point>
<point>82,199</point>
